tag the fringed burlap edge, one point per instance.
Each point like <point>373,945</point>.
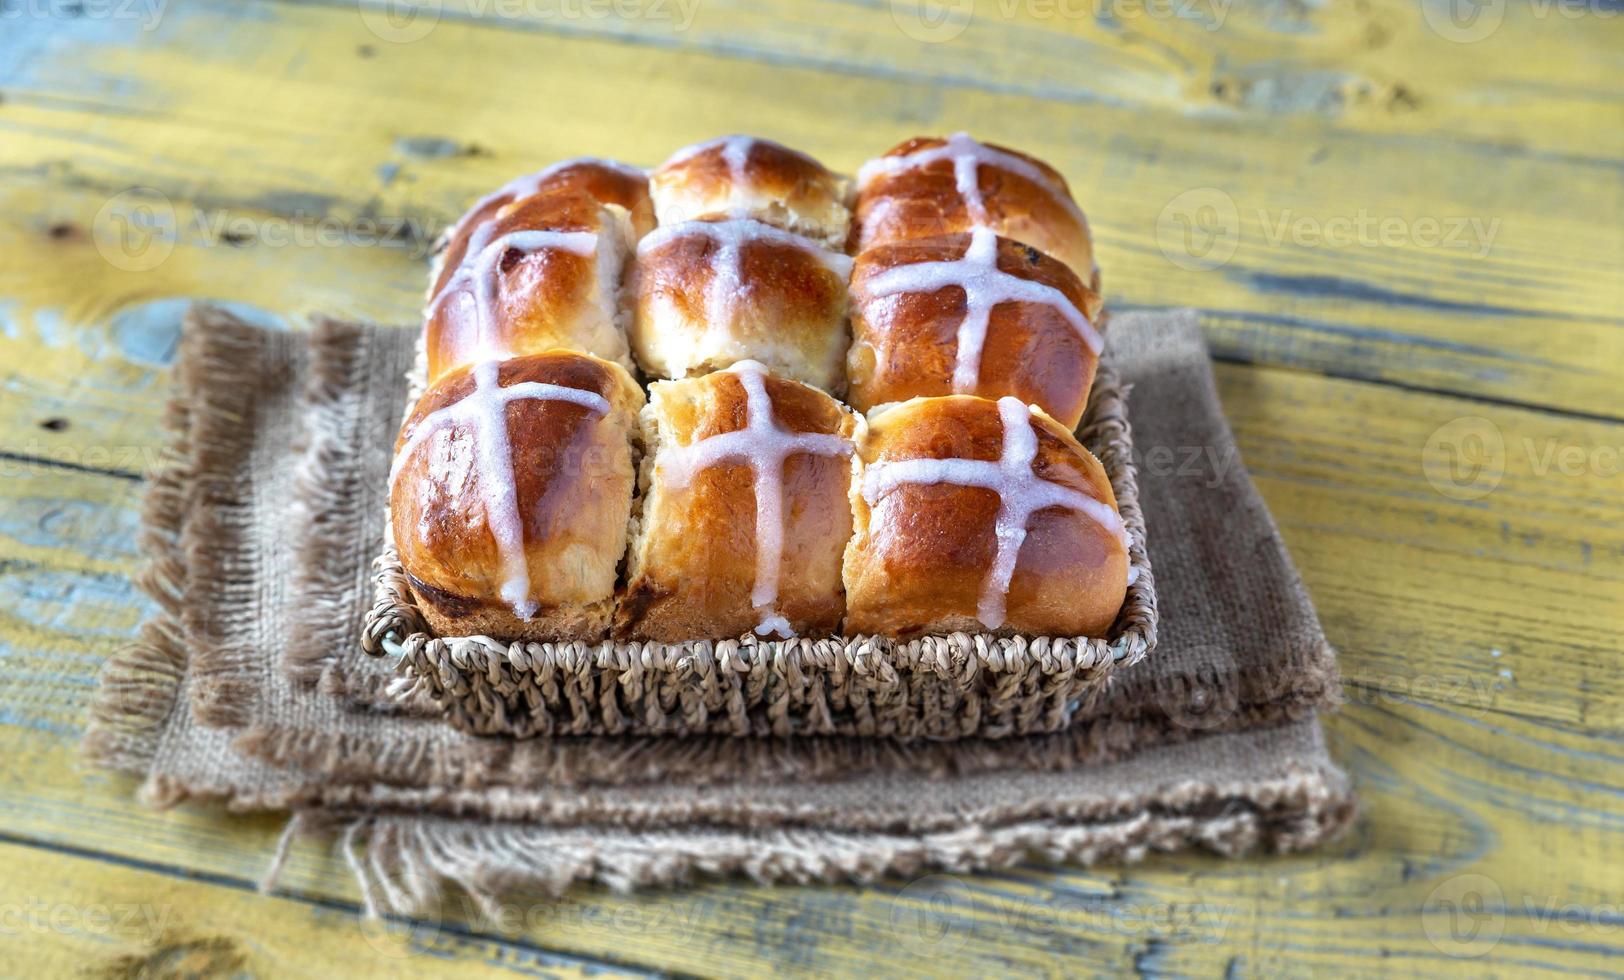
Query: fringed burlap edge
<point>328,504</point>
<point>332,495</point>
<point>190,509</point>
<point>939,687</point>
<point>141,681</point>
<point>403,863</point>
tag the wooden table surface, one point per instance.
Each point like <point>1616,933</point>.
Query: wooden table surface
<point>1403,223</point>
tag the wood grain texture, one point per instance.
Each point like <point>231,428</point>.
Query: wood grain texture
<point>341,147</point>
<point>87,917</point>
<point>295,158</point>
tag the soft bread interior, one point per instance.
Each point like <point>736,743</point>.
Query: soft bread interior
<point>828,224</point>
<point>614,251</point>
<point>793,339</point>
<point>646,437</point>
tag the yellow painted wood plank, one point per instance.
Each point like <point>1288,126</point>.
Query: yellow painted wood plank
<point>1452,800</point>
<point>1464,772</point>
<point>271,130</point>
<point>71,915</point>
<point>260,121</point>
<point>1467,553</point>
<point>1385,66</point>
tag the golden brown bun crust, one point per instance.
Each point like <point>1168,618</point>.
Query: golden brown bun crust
<point>918,559</point>
<point>906,345</point>
<point>790,316</point>
<point>692,570</point>
<point>572,470</point>
<point>589,179</point>
<point>607,185</point>
<point>546,299</point>
<point>924,201</point>
<point>777,185</point>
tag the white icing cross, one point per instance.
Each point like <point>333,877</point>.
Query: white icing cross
<point>968,157</point>
<point>765,447</point>
<point>529,185</point>
<point>480,272</point>
<point>727,279</point>
<point>485,408</point>
<point>985,287</point>
<point>1021,493</point>
<point>735,153</point>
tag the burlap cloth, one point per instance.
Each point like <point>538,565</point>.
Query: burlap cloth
<point>250,688</point>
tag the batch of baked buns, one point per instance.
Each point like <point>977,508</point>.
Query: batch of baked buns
<point>858,414</point>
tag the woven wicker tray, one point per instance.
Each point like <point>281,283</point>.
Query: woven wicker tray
<point>938,687</point>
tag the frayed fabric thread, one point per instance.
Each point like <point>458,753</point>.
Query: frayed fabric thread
<point>402,865</point>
